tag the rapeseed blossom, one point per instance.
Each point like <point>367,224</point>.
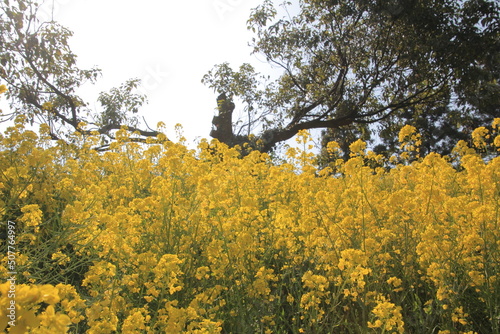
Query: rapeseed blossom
<point>166,239</point>
<point>61,305</point>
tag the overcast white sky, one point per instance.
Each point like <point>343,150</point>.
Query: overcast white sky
<point>170,45</point>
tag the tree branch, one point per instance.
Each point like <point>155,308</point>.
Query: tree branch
<point>68,98</point>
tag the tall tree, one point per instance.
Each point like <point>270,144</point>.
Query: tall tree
<point>367,67</point>
<point>43,79</point>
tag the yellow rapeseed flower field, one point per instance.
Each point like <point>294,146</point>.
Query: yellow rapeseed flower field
<point>164,239</point>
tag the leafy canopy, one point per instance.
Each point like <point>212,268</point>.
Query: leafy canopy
<point>364,68</point>
<point>43,79</point>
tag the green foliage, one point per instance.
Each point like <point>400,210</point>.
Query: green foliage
<point>347,64</point>
<point>38,66</point>
<point>119,102</point>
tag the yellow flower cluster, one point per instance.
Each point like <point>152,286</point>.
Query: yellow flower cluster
<point>484,139</point>
<point>165,239</point>
<point>387,317</point>
<point>410,141</point>
<point>39,308</point>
